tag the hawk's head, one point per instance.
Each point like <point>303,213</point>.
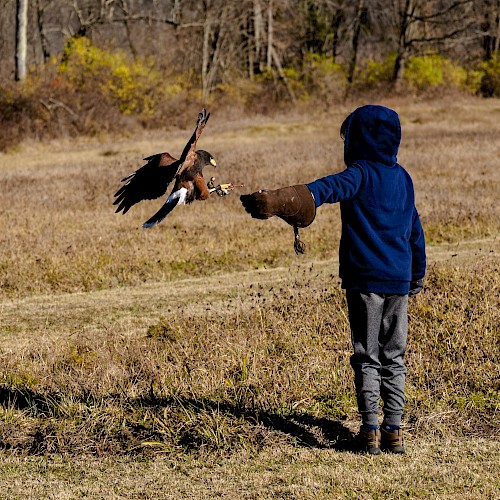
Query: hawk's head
<point>205,158</point>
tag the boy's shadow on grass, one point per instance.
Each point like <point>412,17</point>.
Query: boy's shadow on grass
<point>305,429</point>
<point>311,431</point>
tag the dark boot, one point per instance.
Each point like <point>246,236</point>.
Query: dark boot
<point>392,440</point>
<point>369,441</point>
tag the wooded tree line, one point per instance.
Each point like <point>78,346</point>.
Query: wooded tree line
<point>218,39</point>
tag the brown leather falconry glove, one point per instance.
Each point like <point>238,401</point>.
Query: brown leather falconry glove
<point>294,204</point>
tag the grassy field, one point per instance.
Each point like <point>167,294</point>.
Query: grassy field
<point>203,359</point>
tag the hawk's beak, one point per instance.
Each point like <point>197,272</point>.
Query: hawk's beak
<point>212,162</point>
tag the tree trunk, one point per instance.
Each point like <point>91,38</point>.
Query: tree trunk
<point>176,13</point>
<point>355,40</point>
<point>496,44</point>
<point>399,69</point>
<point>207,28</point>
<point>259,30</point>
<point>214,33</point>
<point>269,35</point>
<point>215,62</point>
<point>21,38</point>
<point>44,44</point>
<point>282,74</point>
<point>336,21</point>
<point>402,54</point>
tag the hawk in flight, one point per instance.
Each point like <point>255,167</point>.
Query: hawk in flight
<point>152,180</point>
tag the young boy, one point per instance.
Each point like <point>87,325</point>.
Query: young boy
<point>382,260</point>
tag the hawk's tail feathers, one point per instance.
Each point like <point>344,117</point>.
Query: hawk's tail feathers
<point>176,198</point>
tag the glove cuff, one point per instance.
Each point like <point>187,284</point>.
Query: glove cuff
<point>299,209</point>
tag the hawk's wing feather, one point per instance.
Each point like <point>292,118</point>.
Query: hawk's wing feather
<point>147,183</point>
<point>188,155</point>
<point>151,181</point>
<point>162,159</point>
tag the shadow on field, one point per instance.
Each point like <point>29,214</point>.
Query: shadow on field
<point>305,430</point>
<point>313,432</point>
<point>187,424</point>
<point>24,399</point>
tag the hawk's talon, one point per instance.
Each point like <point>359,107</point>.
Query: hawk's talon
<point>221,189</point>
<point>224,189</point>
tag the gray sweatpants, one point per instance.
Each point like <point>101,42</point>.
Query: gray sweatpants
<point>379,328</point>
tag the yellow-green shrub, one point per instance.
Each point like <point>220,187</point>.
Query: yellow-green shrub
<point>377,72</point>
<point>135,85</point>
<point>473,81</point>
<point>421,73</point>
<point>323,77</point>
<point>432,70</point>
<point>93,91</point>
<point>237,91</point>
<point>489,83</point>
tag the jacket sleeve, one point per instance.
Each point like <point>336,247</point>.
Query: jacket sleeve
<point>417,243</point>
<point>336,187</point>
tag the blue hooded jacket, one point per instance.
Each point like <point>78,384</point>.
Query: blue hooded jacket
<point>382,247</point>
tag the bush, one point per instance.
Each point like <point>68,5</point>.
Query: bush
<point>376,73</point>
<point>323,78</point>
<point>134,86</point>
<point>269,92</point>
<point>18,116</point>
<point>319,78</point>
<point>423,73</point>
<point>489,84</point>
<point>91,91</point>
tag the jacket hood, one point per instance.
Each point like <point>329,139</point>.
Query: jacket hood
<point>371,133</point>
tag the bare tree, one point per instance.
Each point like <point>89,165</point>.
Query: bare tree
<point>258,22</point>
<point>21,38</point>
<point>40,8</point>
<point>214,33</point>
<point>222,39</point>
<point>337,19</point>
<point>406,25</point>
<point>489,26</point>
<point>358,19</point>
<point>428,24</point>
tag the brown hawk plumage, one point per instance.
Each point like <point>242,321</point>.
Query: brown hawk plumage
<point>152,180</point>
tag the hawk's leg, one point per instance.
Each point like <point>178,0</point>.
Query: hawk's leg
<point>202,192</point>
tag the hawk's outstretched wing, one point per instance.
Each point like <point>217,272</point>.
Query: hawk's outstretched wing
<point>147,183</point>
<point>151,181</point>
<point>188,155</point>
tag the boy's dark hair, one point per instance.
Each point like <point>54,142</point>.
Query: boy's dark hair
<point>343,127</point>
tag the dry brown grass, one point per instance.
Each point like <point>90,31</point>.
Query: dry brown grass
<point>450,469</point>
<point>206,338</point>
<point>59,233</point>
<point>263,359</point>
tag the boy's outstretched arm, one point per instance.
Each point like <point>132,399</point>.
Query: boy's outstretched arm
<point>337,187</point>
<point>297,205</point>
